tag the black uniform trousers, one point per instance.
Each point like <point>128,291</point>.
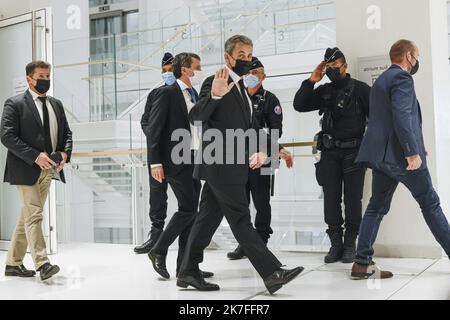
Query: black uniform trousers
<point>337,172</point>
<point>217,201</point>
<point>258,188</point>
<point>187,192</point>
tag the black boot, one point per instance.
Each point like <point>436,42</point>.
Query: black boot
<point>337,247</point>
<point>237,254</point>
<point>349,247</point>
<point>150,243</point>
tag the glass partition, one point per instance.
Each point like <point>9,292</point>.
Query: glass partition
<point>107,196</point>
<point>123,67</point>
<point>448,21</point>
<point>106,200</point>
<point>18,53</point>
<point>25,38</point>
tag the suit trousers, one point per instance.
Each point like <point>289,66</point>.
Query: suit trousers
<point>29,228</point>
<point>187,192</point>
<point>158,202</point>
<point>217,201</point>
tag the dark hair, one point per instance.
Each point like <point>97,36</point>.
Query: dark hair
<point>36,64</point>
<point>181,60</point>
<point>231,43</point>
<point>399,49</point>
<point>195,56</point>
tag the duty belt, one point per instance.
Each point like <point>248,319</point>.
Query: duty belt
<point>328,142</point>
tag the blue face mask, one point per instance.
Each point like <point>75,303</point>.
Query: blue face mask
<point>169,78</point>
<point>252,81</point>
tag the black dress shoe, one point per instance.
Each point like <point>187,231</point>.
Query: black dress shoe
<point>19,271</point>
<point>281,277</point>
<point>205,274</point>
<point>197,282</point>
<point>159,264</point>
<point>150,243</point>
<point>145,247</point>
<point>47,271</point>
<point>237,254</point>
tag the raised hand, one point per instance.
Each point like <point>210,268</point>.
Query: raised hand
<point>220,86</point>
<point>318,73</point>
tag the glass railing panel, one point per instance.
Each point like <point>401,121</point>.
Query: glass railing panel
<point>95,205</point>
<point>102,90</point>
<point>106,200</point>
<point>297,206</point>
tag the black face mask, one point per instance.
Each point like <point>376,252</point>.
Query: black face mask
<point>415,68</point>
<point>242,67</point>
<point>42,86</point>
<point>334,74</point>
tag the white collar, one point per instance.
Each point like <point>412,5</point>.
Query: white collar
<point>182,85</point>
<point>234,76</point>
<point>35,96</point>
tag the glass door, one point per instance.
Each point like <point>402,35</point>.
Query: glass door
<point>24,38</point>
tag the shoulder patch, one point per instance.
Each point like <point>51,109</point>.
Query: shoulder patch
<point>278,110</point>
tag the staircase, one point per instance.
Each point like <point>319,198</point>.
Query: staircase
<point>106,176</point>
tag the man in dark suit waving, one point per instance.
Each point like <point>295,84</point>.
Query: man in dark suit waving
<point>34,128</point>
<point>394,147</point>
<point>224,106</point>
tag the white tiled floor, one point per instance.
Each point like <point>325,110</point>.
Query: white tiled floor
<point>95,271</point>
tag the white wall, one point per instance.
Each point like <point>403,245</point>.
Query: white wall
<point>404,232</point>
<point>10,8</point>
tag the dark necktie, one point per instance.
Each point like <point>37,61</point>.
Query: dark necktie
<point>47,136</point>
<point>244,97</point>
<point>193,94</point>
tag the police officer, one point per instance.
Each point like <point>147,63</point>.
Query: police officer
<point>158,191</point>
<point>344,104</point>
<point>267,114</point>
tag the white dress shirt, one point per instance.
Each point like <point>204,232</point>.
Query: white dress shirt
<point>51,116</point>
<point>195,131</point>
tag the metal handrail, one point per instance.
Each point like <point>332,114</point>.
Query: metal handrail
<point>137,32</point>
<point>172,38</point>
<point>138,101</point>
<point>210,37</point>
<point>144,151</point>
<point>261,12</point>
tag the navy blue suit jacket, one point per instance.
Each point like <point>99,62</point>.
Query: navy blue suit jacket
<point>394,131</point>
